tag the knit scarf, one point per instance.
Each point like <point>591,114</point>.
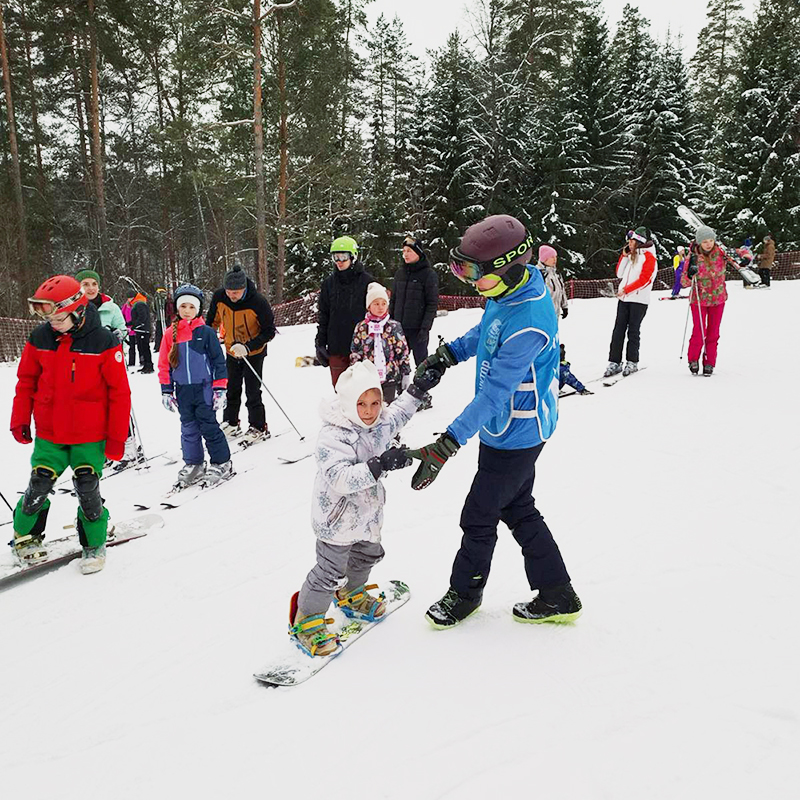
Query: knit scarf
<point>375,326</point>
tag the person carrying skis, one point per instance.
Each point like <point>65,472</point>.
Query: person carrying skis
<point>565,376</point>
<point>548,258</point>
<point>677,264</point>
<point>341,306</point>
<point>415,299</point>
<point>193,377</point>
<point>515,409</point>
<point>636,270</point>
<point>165,313</point>
<point>141,324</point>
<point>72,380</point>
<point>379,339</point>
<point>705,274</point>
<point>352,455</point>
<point>245,320</point>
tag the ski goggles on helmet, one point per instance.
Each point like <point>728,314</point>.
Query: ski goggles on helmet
<point>47,309</point>
<point>471,270</point>
<point>341,257</point>
<point>636,237</point>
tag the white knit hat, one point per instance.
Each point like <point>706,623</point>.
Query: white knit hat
<point>376,292</point>
<point>190,299</point>
<point>352,383</point>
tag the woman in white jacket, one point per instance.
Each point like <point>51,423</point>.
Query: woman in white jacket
<point>636,270</point>
<point>347,505</point>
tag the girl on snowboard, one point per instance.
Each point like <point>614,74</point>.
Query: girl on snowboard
<point>193,377</point>
<point>348,499</point>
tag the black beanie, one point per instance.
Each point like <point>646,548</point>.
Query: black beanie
<point>236,278</point>
<point>415,245</point>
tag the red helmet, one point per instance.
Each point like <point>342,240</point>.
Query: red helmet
<point>492,245</point>
<point>60,294</point>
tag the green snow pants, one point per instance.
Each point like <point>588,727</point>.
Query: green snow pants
<point>57,457</point>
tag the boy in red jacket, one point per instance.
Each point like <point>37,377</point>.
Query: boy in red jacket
<point>72,379</point>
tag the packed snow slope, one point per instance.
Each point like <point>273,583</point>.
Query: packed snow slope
<point>673,499</point>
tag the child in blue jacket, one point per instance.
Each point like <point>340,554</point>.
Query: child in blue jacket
<point>193,377</point>
<point>565,375</point>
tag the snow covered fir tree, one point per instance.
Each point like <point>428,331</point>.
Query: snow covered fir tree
<point>132,144</point>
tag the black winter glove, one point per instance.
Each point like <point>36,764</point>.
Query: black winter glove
<point>692,269</point>
<point>322,355</point>
<point>393,458</point>
<point>440,360</point>
<point>422,384</point>
<point>564,312</point>
<point>433,457</point>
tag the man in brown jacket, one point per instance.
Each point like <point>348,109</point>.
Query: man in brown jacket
<point>766,258</point>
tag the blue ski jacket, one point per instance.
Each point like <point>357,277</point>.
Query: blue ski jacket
<point>516,384</point>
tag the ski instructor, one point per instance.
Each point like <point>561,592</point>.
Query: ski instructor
<point>515,409</point>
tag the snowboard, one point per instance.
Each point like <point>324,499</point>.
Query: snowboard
<point>295,666</point>
<point>694,222</point>
<point>67,548</point>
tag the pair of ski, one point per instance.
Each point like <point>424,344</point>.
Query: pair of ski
<point>67,548</point>
<point>296,666</point>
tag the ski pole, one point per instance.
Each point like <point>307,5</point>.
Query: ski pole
<point>253,370</point>
<point>136,435</point>
<point>685,328</point>
<point>700,315</point>
<point>6,502</point>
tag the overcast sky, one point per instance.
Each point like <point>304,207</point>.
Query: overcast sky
<point>429,22</point>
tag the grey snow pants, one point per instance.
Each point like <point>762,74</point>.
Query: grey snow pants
<point>338,566</point>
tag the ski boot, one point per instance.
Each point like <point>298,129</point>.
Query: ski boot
<point>93,559</point>
<point>708,370</point>
<point>133,455</point>
<point>230,430</point>
<point>360,604</point>
<point>311,633</point>
<point>29,549</point>
<point>613,368</point>
<point>451,609</point>
<point>217,473</point>
<point>557,604</point>
<point>694,367</point>
<point>190,474</point>
<point>254,435</point>
<point>630,368</point>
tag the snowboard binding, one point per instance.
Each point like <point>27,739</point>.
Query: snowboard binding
<point>360,604</point>
<point>311,634</point>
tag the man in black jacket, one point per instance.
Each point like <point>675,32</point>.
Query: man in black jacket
<point>342,305</point>
<point>142,326</point>
<point>247,323</point>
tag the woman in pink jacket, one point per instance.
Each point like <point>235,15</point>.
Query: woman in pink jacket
<point>706,275</point>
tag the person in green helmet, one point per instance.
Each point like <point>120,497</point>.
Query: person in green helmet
<point>341,306</point>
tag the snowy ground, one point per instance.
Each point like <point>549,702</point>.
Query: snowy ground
<point>674,502</point>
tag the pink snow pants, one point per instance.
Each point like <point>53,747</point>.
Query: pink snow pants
<point>712,318</point>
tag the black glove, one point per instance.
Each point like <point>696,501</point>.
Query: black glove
<point>393,458</point>
<point>433,457</point>
<point>692,269</point>
<point>440,361</point>
<point>322,355</point>
<point>564,312</point>
<point>422,384</point>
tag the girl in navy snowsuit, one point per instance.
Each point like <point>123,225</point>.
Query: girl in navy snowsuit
<point>193,377</point>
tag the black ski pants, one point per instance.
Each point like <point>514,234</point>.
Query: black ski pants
<point>238,371</point>
<point>501,491</point>
<point>629,320</point>
<point>143,346</point>
<point>418,344</point>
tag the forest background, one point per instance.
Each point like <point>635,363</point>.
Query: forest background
<point>164,139</point>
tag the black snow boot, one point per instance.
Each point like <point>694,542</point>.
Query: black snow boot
<point>708,370</point>
<point>451,609</point>
<point>694,367</point>
<point>556,604</point>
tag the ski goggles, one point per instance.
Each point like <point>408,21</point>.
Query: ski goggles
<point>635,236</point>
<point>470,270</point>
<point>342,257</point>
<point>47,309</point>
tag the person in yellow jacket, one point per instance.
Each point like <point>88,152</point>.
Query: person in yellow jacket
<point>677,264</point>
<point>246,323</point>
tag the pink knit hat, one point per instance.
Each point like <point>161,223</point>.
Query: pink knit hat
<point>545,252</point>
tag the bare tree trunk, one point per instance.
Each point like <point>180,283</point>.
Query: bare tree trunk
<point>82,136</point>
<point>283,176</point>
<point>12,142</point>
<point>261,216</point>
<point>97,148</point>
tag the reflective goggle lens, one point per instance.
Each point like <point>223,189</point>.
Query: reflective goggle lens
<point>44,310</point>
<point>342,257</point>
<point>466,271</point>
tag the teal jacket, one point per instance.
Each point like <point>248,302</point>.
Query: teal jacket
<point>111,316</point>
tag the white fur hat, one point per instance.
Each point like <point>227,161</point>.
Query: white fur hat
<point>376,292</point>
<point>352,383</point>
